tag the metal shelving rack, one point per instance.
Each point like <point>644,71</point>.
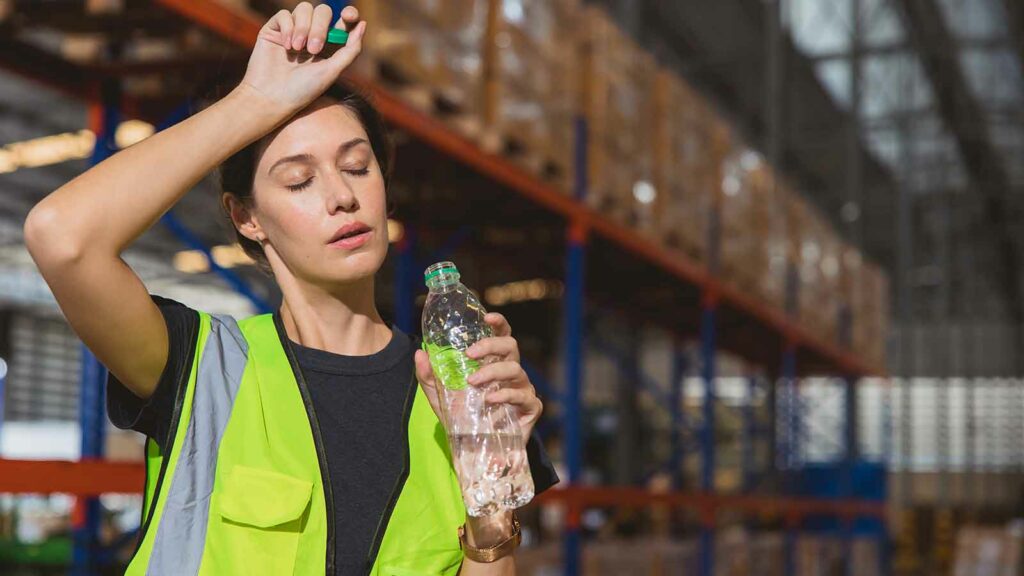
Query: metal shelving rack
<point>770,337</point>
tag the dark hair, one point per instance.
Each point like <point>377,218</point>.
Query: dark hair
<point>238,172</point>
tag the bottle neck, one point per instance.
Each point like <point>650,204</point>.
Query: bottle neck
<point>439,286</point>
<point>444,282</point>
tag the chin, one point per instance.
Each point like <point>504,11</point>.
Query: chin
<point>353,267</point>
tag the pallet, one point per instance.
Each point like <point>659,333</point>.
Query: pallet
<point>445,100</point>
<point>409,53</point>
<point>528,89</point>
<point>679,241</point>
<point>534,157</point>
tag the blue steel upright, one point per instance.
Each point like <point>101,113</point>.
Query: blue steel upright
<point>572,404</point>
<point>677,397</point>
<point>747,435</point>
<point>850,455</point>
<point>707,437</point>
<point>92,385</point>
<point>792,445</point>
<point>405,278</point>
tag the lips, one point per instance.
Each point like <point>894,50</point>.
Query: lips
<point>349,231</point>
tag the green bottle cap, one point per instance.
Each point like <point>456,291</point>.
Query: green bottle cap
<point>445,268</point>
<point>337,36</point>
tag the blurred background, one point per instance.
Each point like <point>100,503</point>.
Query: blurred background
<point>763,258</point>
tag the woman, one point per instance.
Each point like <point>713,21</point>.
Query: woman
<point>292,443</point>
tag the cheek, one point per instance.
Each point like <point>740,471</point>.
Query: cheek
<point>294,217</point>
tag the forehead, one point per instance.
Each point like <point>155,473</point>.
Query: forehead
<point>321,126</point>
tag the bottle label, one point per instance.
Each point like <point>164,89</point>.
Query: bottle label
<point>451,366</point>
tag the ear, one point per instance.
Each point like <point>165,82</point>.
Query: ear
<point>243,217</point>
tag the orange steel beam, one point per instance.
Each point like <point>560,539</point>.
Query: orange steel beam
<point>96,477</point>
<point>585,497</point>
<point>82,478</point>
<point>242,27</point>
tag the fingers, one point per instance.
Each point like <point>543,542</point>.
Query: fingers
<point>343,57</point>
<point>525,399</point>
<point>504,347</point>
<point>303,17</point>
<point>498,323</point>
<point>282,26</point>
<point>322,16</point>
<point>509,373</point>
<point>349,17</point>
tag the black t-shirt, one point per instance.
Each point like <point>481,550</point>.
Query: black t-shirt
<point>359,405</point>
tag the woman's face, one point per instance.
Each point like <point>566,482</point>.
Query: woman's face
<point>316,178</point>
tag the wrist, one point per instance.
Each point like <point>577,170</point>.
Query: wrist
<point>488,531</point>
<point>494,537</point>
<point>261,112</point>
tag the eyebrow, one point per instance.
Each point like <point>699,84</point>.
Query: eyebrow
<point>345,147</point>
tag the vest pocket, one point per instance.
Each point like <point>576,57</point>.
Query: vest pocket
<point>261,520</point>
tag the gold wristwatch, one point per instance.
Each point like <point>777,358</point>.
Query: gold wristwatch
<point>496,552</point>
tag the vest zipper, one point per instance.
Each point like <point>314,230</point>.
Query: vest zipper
<point>396,490</point>
<point>318,441</point>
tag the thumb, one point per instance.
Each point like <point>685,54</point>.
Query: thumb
<point>424,371</point>
<point>347,53</point>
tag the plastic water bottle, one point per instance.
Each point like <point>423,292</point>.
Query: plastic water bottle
<point>488,448</point>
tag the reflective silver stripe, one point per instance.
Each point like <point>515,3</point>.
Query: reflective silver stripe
<point>181,535</point>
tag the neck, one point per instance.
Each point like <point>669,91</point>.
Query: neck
<point>342,319</point>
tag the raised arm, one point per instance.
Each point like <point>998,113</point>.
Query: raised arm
<point>77,233</point>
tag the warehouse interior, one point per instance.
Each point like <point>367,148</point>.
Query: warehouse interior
<point>763,259</point>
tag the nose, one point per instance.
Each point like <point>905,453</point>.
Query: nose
<point>340,196</point>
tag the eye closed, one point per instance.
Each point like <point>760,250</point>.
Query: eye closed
<point>300,186</point>
<point>357,171</point>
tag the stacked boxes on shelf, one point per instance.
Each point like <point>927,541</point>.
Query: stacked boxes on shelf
<point>753,247</point>
<point>430,52</point>
<point>851,296</point>
<point>871,321</point>
<point>690,142</point>
<point>617,90</point>
<point>513,74</point>
<point>529,100</point>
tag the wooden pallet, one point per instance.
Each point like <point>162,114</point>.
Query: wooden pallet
<point>445,100</point>
<point>538,159</point>
<point>678,240</point>
<point>408,54</point>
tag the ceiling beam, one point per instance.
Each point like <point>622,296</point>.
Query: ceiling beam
<point>41,66</point>
<point>937,48</point>
<point>1015,23</point>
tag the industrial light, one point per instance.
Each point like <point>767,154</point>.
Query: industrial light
<point>59,148</point>
<point>230,255</point>
<point>47,150</point>
<point>750,161</point>
<point>644,192</point>
<point>133,132</point>
<point>731,185</point>
<point>396,231</point>
<point>226,256</point>
<point>523,291</point>
<point>191,262</point>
